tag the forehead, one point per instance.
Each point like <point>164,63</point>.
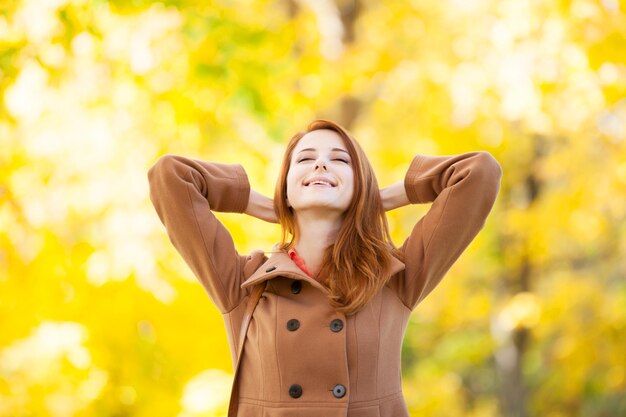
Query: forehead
<point>322,140</point>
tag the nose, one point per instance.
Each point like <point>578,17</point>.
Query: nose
<point>320,163</point>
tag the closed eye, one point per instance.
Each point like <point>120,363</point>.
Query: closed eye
<point>337,159</point>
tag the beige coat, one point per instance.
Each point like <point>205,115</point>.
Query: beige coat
<point>301,357</point>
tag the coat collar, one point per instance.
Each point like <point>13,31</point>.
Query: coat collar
<point>281,264</point>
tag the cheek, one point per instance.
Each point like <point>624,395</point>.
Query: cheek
<point>352,187</point>
<point>292,176</point>
<point>291,184</point>
<point>350,177</point>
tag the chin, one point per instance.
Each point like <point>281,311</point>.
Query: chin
<point>321,207</point>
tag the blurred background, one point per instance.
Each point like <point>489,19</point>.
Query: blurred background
<point>99,315</point>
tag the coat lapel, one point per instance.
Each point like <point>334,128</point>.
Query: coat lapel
<point>280,264</point>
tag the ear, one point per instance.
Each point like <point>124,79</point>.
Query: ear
<point>287,201</point>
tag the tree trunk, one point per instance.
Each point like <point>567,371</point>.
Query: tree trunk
<point>509,356</point>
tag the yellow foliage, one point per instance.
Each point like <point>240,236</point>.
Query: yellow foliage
<point>100,316</point>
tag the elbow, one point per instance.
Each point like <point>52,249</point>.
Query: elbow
<point>157,171</point>
<point>490,165</point>
<point>488,168</point>
<point>488,173</point>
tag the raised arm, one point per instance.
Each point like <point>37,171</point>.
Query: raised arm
<point>463,189</point>
<point>183,192</point>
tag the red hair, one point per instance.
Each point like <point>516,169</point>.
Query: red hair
<point>360,256</point>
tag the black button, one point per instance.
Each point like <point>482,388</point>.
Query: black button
<point>336,325</point>
<point>296,287</point>
<point>295,391</point>
<point>339,391</point>
<point>270,269</point>
<point>293,325</point>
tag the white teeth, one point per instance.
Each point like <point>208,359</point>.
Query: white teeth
<point>319,182</point>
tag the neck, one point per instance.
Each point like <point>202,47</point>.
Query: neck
<point>315,235</point>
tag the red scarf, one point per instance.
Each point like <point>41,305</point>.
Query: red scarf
<point>299,261</point>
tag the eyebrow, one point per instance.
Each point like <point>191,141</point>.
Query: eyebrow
<point>313,149</point>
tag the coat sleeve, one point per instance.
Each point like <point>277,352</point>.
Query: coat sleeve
<point>184,191</point>
<point>463,190</point>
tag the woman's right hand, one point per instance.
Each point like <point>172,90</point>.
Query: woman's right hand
<point>261,207</point>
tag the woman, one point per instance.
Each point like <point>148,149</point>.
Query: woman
<point>326,335</point>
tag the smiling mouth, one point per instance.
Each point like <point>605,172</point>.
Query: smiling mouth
<point>319,183</point>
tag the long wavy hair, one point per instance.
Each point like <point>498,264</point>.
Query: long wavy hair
<point>355,267</point>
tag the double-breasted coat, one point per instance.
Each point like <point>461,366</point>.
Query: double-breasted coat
<point>301,357</point>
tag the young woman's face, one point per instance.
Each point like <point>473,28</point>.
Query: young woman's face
<point>322,155</point>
